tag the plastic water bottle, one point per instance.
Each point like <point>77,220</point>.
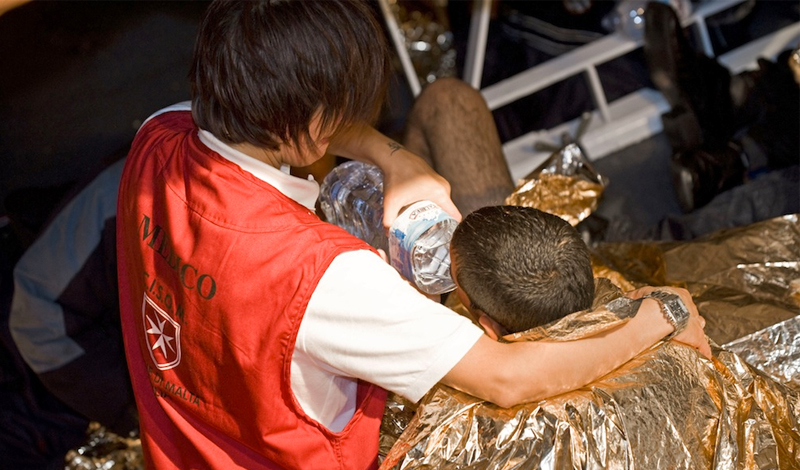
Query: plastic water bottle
<point>419,246</point>
<point>351,196</point>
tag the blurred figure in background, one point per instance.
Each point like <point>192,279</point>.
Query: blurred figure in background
<point>62,359</point>
<point>724,129</point>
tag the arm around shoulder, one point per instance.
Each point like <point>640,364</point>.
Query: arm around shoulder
<point>509,374</point>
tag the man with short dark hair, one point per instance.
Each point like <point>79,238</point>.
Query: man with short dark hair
<point>518,268</point>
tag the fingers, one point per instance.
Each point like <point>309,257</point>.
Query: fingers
<point>423,187</point>
<point>695,337</point>
<point>392,208</point>
<point>705,351</point>
<point>449,206</point>
<point>684,294</point>
<point>390,212</point>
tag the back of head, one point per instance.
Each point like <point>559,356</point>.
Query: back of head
<point>263,69</point>
<point>522,267</point>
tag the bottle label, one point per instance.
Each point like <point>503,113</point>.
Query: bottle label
<point>406,229</point>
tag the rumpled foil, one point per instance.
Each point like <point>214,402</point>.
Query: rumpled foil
<point>742,280</point>
<point>398,413</point>
<point>566,185</point>
<point>428,38</point>
<point>668,408</point>
<point>105,450</point>
<point>775,349</point>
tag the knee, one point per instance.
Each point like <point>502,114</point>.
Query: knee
<point>448,91</point>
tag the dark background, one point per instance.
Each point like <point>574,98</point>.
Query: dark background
<point>79,77</point>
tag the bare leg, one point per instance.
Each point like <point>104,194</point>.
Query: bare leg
<point>451,126</point>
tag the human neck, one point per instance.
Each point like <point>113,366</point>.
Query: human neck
<point>270,157</point>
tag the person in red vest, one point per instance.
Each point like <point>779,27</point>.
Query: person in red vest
<point>258,336</point>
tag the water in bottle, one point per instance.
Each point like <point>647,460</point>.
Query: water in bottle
<point>419,246</point>
<point>351,196</point>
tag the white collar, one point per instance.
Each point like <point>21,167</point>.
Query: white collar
<point>302,191</point>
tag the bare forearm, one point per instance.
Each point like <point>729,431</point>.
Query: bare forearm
<point>509,374</point>
<point>365,143</point>
<point>407,177</point>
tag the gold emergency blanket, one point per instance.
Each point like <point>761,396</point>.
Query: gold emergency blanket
<point>105,450</point>
<point>669,408</point>
<point>775,350</point>
<point>742,279</point>
<point>565,185</point>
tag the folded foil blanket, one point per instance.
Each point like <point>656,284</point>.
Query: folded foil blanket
<point>669,408</point>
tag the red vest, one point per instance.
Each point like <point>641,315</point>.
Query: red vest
<point>216,268</point>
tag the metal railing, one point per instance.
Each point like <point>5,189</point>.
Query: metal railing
<point>614,125</point>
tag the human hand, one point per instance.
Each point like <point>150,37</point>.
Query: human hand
<point>693,335</point>
<point>408,179</point>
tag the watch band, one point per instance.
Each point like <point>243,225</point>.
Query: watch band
<point>674,310</point>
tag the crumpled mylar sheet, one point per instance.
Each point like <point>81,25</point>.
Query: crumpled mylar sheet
<point>775,350</point>
<point>669,408</point>
<point>428,38</point>
<point>106,450</point>
<point>565,185</point>
<point>742,280</point>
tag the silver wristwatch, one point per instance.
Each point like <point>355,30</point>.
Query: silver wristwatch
<point>673,308</point>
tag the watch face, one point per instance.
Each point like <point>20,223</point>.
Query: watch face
<point>676,309</point>
<point>673,307</point>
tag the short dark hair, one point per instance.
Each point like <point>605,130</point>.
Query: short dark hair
<point>522,267</point>
<point>262,69</point>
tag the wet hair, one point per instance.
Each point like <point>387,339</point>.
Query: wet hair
<point>522,267</point>
<point>262,69</point>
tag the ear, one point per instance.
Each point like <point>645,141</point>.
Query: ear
<point>490,327</point>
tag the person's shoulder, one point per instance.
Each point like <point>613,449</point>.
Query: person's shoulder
<point>164,128</point>
<point>182,107</point>
<point>176,118</point>
<point>359,260</point>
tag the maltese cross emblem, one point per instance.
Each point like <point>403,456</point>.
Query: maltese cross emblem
<point>163,335</point>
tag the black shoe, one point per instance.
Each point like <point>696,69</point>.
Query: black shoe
<point>696,85</point>
<point>667,51</point>
<point>682,129</point>
<point>699,175</point>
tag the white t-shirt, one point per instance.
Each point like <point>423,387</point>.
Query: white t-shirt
<point>362,322</point>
